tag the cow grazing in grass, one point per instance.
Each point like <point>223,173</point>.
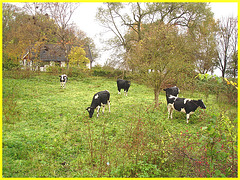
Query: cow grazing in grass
<point>99,99</point>
<point>63,80</point>
<point>123,84</point>
<point>184,105</point>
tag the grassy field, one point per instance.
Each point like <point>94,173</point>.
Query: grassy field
<point>47,133</point>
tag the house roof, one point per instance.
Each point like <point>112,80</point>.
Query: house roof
<point>52,52</point>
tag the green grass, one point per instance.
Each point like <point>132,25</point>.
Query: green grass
<point>47,131</point>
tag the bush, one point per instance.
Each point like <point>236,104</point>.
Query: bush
<point>78,72</point>
<point>107,72</point>
<point>18,73</point>
<point>210,152</point>
<point>9,62</point>
<point>71,71</point>
<point>225,90</point>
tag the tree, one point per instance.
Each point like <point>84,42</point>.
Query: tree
<point>22,31</point>
<point>77,57</point>
<point>227,43</point>
<point>61,13</point>
<point>204,46</point>
<point>121,18</point>
<point>159,56</point>
<point>37,24</point>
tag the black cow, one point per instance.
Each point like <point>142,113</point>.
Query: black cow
<point>99,99</point>
<point>123,84</point>
<point>63,80</point>
<point>184,105</point>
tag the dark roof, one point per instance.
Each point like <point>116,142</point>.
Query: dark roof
<point>52,52</point>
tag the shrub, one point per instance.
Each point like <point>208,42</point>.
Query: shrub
<point>78,72</point>
<point>210,152</point>
<point>225,91</point>
<point>107,72</point>
<point>17,73</point>
<point>9,62</point>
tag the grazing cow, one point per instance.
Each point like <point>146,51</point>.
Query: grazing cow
<point>63,80</point>
<point>100,98</point>
<point>174,91</point>
<point>123,84</point>
<point>184,105</point>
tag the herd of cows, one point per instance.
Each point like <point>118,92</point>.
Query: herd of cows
<point>102,98</point>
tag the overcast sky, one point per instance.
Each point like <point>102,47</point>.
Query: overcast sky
<point>84,17</point>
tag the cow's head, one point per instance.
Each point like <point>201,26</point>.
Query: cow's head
<point>201,104</point>
<point>174,91</point>
<point>90,111</point>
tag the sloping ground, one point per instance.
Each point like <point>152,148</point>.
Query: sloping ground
<point>47,133</point>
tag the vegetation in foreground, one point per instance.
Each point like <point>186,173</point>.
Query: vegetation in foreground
<point>47,133</point>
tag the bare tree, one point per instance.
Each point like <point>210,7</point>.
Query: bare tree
<point>227,42</point>
<point>62,13</point>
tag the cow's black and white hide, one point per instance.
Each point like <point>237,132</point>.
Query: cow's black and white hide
<point>183,105</point>
<point>63,80</point>
<point>99,99</point>
<point>123,84</point>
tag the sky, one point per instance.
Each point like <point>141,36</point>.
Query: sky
<point>84,17</point>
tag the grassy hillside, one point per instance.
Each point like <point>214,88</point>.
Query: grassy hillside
<point>47,133</point>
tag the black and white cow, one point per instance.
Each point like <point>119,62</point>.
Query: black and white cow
<point>184,105</point>
<point>99,99</point>
<point>123,84</point>
<point>63,80</point>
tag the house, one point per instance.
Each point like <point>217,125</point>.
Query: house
<point>49,55</point>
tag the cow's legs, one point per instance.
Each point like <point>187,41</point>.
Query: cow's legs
<point>98,108</point>
<point>62,84</point>
<point>119,90</point>
<point>103,109</point>
<point>188,115</point>
<point>108,102</point>
<point>170,110</point>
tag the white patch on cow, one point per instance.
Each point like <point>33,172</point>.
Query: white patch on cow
<point>172,97</point>
<point>96,97</point>
<point>183,110</point>
<point>119,92</point>
<point>185,100</point>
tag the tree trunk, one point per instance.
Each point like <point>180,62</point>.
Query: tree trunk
<point>156,94</point>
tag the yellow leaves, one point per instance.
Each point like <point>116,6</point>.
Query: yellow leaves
<point>231,83</point>
<point>78,57</point>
